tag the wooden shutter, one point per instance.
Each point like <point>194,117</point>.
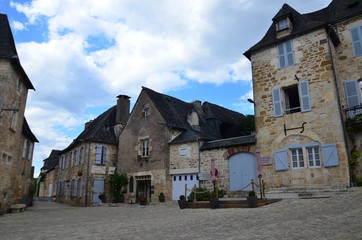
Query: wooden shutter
<point>98,154</point>
<point>277,103</point>
<point>356,41</point>
<point>281,160</point>
<point>30,154</point>
<point>352,93</point>
<point>289,53</point>
<point>304,96</point>
<point>330,155</point>
<point>24,148</point>
<point>281,55</point>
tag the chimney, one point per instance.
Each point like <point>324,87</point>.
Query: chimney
<point>123,105</point>
<point>86,125</point>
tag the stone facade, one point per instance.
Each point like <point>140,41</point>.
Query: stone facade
<point>16,138</point>
<point>324,58</point>
<point>149,170</point>
<point>77,170</point>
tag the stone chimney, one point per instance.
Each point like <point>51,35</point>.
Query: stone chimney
<point>123,105</point>
<point>86,125</point>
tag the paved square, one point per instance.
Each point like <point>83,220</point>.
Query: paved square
<point>337,217</point>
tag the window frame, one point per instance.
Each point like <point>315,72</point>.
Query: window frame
<point>299,154</point>
<point>284,54</point>
<point>315,151</point>
<point>283,24</point>
<point>356,40</point>
<point>145,148</point>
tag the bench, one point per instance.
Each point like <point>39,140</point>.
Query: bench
<point>15,208</point>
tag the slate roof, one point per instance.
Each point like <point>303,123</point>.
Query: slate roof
<point>229,142</point>
<point>8,49</point>
<point>27,131</point>
<point>99,130</point>
<point>215,122</point>
<point>52,160</point>
<point>336,11</point>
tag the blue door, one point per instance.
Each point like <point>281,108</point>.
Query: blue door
<point>242,168</point>
<point>98,188</point>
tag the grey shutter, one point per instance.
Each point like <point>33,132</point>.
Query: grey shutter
<point>277,103</point>
<point>356,41</point>
<point>304,96</point>
<point>104,154</point>
<point>98,154</point>
<point>281,160</point>
<point>352,93</point>
<point>289,53</point>
<point>281,56</point>
<point>330,155</point>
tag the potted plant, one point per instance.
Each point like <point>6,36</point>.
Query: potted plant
<point>116,182</point>
<point>182,202</point>
<point>214,200</point>
<point>161,197</point>
<point>142,199</point>
<point>252,199</point>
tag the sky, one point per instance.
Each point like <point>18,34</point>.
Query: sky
<point>80,55</point>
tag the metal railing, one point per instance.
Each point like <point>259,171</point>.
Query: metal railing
<point>353,111</point>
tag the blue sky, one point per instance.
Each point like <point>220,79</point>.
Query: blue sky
<point>80,55</point>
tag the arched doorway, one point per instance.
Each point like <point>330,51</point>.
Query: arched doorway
<point>242,168</point>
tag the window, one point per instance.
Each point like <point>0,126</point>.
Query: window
<point>101,154</point>
<point>295,98</point>
<point>353,97</point>
<point>76,157</point>
<point>13,120</point>
<point>292,103</point>
<point>19,86</point>
<point>146,112</point>
<point>145,145</point>
<point>282,24</point>
<point>357,40</point>
<point>81,154</point>
<point>313,157</point>
<point>183,151</point>
<point>297,158</point>
<point>285,54</point>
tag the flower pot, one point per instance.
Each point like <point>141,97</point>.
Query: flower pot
<point>214,203</point>
<point>252,201</point>
<point>182,204</point>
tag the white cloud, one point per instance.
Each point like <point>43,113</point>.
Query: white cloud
<point>95,50</point>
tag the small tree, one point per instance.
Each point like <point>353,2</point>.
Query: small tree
<point>116,182</point>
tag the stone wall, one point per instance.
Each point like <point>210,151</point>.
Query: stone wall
<point>139,128</point>
<point>15,171</point>
<point>85,173</point>
<point>322,124</point>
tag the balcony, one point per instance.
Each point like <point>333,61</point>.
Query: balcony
<point>354,117</point>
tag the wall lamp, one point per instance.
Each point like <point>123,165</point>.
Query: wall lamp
<point>251,101</point>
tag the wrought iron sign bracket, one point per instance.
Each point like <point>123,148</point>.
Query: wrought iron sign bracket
<point>289,129</point>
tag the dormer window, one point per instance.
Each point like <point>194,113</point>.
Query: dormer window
<point>146,112</point>
<point>282,24</point>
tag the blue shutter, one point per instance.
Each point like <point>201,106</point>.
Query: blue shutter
<point>277,103</point>
<point>330,155</point>
<point>356,41</point>
<point>281,160</point>
<point>304,96</point>
<point>281,56</point>
<point>104,154</point>
<point>98,154</point>
<point>352,93</point>
<point>289,53</point>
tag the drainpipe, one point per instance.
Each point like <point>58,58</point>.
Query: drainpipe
<point>87,178</point>
<point>199,160</point>
<point>340,106</point>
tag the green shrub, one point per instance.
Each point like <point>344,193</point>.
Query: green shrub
<point>359,182</point>
<point>251,193</point>
<point>182,197</point>
<point>202,194</point>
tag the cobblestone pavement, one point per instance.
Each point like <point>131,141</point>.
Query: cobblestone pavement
<point>337,217</point>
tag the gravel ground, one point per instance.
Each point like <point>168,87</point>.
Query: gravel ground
<point>337,217</point>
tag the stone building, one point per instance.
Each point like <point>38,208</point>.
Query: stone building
<point>159,148</point>
<point>49,171</point>
<point>85,165</point>
<point>306,83</point>
<point>16,139</point>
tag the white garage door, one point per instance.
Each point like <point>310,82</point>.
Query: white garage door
<point>178,184</point>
